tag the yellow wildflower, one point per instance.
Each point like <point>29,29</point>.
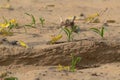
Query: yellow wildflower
<point>4,25</point>
<point>62,68</point>
<point>67,68</point>
<point>92,17</point>
<point>13,21</point>
<point>23,44</point>
<point>56,38</point>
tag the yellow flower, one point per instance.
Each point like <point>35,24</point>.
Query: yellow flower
<point>13,21</point>
<point>23,44</point>
<point>56,38</point>
<point>62,68</point>
<point>67,68</point>
<point>92,17</point>
<point>5,25</point>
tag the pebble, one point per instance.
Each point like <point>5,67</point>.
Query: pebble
<point>44,74</point>
<point>94,74</point>
<point>37,79</point>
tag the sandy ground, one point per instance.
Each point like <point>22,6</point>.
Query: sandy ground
<point>104,72</point>
<point>52,11</point>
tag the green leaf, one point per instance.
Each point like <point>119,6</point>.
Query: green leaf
<point>32,17</point>
<point>68,33</point>
<point>42,20</point>
<point>11,78</point>
<point>102,31</point>
<point>75,29</point>
<point>28,14</point>
<point>95,30</point>
<point>11,27</point>
<point>30,26</point>
<point>75,60</point>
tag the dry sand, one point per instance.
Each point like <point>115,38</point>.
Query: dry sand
<point>100,58</point>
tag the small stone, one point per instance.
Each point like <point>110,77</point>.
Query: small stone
<point>118,65</point>
<point>36,64</point>
<point>36,79</point>
<point>39,73</point>
<point>80,71</point>
<point>74,79</point>
<point>13,42</point>
<point>101,73</point>
<point>62,74</point>
<point>4,39</point>
<point>44,74</point>
<point>45,71</point>
<point>94,74</point>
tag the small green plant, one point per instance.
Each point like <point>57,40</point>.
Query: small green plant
<point>69,27</point>
<point>33,22</point>
<point>7,26</point>
<point>69,32</point>
<point>72,67</point>
<point>11,78</point>
<point>3,76</point>
<point>99,31</point>
<point>12,23</point>
<point>42,21</point>
<point>75,60</point>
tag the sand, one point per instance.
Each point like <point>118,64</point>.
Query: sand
<point>100,57</point>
